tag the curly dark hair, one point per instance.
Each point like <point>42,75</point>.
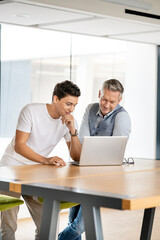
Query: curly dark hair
<point>65,88</point>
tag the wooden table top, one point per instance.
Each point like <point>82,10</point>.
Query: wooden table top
<point>39,172</point>
<point>18,175</point>
<point>136,189</point>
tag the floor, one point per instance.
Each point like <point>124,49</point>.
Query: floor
<point>125,225</point>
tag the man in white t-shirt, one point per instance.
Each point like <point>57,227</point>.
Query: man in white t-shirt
<point>40,127</point>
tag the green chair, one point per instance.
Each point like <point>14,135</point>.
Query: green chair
<point>63,205</point>
<point>7,202</point>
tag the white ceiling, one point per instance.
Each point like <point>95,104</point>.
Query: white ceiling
<point>102,27</point>
<point>69,20</point>
<point>29,15</point>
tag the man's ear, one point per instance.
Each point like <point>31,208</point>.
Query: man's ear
<point>99,94</point>
<point>55,99</point>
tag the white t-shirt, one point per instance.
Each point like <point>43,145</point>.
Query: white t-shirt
<point>45,133</point>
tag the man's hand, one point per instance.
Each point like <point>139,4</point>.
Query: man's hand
<point>54,161</point>
<point>69,121</point>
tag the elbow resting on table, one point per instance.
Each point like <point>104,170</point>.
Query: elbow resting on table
<point>75,157</point>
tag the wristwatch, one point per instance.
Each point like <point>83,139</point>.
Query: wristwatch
<point>75,134</point>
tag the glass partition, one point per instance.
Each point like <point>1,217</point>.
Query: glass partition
<point>34,60</point>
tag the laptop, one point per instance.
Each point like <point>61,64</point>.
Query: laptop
<point>102,150</point>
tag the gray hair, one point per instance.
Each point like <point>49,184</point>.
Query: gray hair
<point>113,85</point>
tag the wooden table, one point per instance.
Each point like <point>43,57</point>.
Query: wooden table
<point>119,187</point>
<point>12,177</point>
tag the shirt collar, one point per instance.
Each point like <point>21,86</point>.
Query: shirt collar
<point>107,115</point>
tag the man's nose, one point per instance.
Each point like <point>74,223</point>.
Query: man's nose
<point>71,109</point>
<point>107,104</point>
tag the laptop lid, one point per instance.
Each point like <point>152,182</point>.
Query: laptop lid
<point>103,150</point>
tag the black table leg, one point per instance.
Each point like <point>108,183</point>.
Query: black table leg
<point>147,224</point>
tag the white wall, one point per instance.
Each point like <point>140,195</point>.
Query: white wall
<point>140,98</point>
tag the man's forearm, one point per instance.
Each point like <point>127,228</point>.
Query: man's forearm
<point>75,148</point>
<point>28,153</point>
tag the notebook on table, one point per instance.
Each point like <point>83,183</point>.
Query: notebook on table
<point>102,150</point>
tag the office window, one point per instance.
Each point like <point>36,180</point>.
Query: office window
<point>33,61</point>
<point>95,60</point>
<point>31,68</point>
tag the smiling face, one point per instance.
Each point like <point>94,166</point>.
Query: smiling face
<point>65,105</point>
<point>108,100</point>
